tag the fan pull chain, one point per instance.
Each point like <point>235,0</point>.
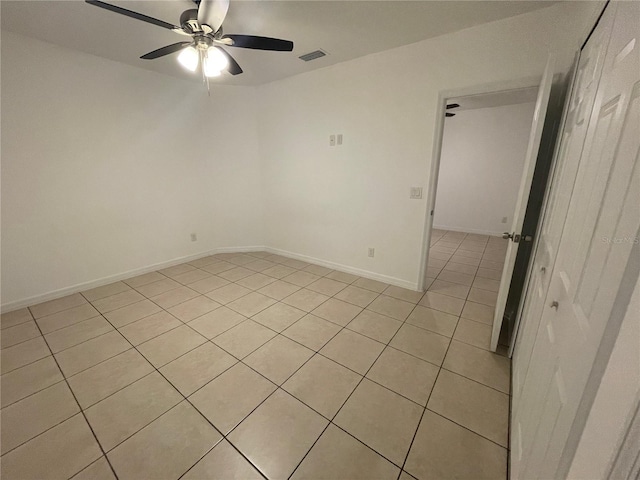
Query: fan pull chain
<point>205,79</point>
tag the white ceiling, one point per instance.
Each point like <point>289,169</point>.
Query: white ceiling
<point>344,29</point>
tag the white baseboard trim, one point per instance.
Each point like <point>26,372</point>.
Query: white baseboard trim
<point>347,269</point>
<point>471,230</point>
<point>81,287</point>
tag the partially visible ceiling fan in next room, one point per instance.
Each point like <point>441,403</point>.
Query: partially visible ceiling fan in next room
<point>204,48</point>
<point>449,107</point>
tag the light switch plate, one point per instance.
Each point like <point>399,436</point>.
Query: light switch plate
<point>332,140</point>
<point>416,193</point>
<point>339,139</point>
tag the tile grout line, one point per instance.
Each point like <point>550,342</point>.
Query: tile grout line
<point>276,301</point>
<point>415,433</point>
<point>442,368</point>
<point>331,421</point>
<point>179,393</point>
<point>101,314</point>
<point>79,406</point>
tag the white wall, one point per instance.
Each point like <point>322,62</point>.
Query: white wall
<point>108,168</point>
<point>481,167</point>
<point>331,203</point>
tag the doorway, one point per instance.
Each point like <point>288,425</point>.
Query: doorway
<point>484,145</point>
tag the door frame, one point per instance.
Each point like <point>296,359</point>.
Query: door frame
<point>432,179</point>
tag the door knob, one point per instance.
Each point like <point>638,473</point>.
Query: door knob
<point>555,304</point>
<point>515,237</point>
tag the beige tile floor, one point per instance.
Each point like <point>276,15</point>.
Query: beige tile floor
<point>251,365</point>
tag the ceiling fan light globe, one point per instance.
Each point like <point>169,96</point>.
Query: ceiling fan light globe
<point>212,73</point>
<point>188,58</point>
<point>216,60</point>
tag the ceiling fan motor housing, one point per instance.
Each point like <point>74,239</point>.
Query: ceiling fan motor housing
<point>189,21</point>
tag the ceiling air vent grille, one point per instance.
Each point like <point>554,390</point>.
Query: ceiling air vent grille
<point>307,57</point>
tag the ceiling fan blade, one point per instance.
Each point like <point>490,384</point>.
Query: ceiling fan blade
<point>161,52</point>
<point>233,68</point>
<point>132,14</point>
<point>260,43</point>
<point>212,13</point>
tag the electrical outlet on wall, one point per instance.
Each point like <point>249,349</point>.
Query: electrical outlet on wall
<point>332,140</point>
<point>372,252</point>
<point>504,219</point>
<point>194,237</point>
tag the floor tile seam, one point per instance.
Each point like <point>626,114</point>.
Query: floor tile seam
<point>438,310</point>
<point>18,324</point>
<point>162,415</point>
<point>184,398</point>
<point>471,344</point>
<point>157,294</point>
<point>364,334</point>
<point>141,318</point>
<point>142,285</point>
<point>429,397</point>
<point>484,289</point>
<point>34,393</point>
<point>433,331</point>
<point>154,337</point>
<point>60,311</point>
<point>72,324</point>
<point>129,287</point>
<point>81,411</point>
<point>467,428</point>
<point>365,376</point>
<point>475,381</point>
<point>79,371</point>
<point>331,421</point>
<point>119,389</point>
<point>83,341</point>
<point>279,387</point>
<point>284,336</point>
<point>223,439</point>
<point>149,422</point>
<point>20,343</point>
<point>78,412</point>
<point>435,381</point>
<point>141,343</point>
<point>351,370</point>
<point>309,450</point>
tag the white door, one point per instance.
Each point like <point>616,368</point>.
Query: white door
<point>572,135</point>
<point>531,156</point>
<point>595,268</point>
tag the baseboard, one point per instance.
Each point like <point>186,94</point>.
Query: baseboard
<point>80,287</point>
<point>470,230</point>
<point>345,268</point>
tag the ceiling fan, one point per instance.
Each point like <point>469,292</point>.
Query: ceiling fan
<point>204,26</point>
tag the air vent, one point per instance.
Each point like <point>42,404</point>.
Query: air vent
<point>307,57</point>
